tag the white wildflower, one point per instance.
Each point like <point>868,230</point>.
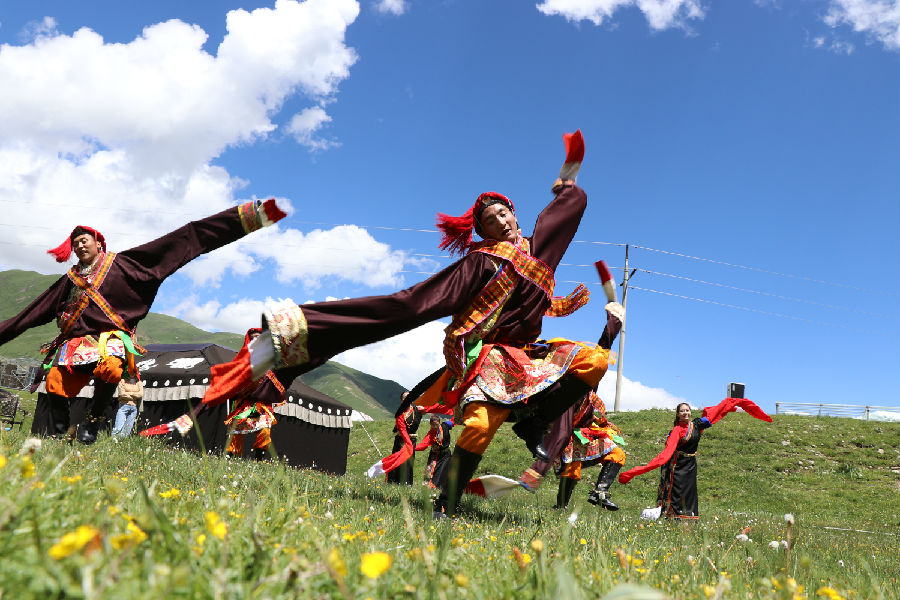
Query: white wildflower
<point>31,445</point>
<point>841,563</point>
<point>784,544</point>
<point>572,518</point>
<point>774,545</point>
<point>328,515</point>
<point>789,519</point>
<point>742,538</point>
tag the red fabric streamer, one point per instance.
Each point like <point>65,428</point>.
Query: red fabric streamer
<point>273,213</point>
<point>229,379</point>
<point>662,458</point>
<point>715,413</point>
<point>574,146</point>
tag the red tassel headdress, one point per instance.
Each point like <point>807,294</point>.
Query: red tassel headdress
<point>456,232</point>
<point>62,252</point>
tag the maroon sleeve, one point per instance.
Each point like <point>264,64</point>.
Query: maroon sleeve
<point>165,255</point>
<point>343,324</point>
<point>557,225</point>
<point>41,311</point>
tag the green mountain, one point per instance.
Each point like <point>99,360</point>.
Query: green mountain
<point>366,393</point>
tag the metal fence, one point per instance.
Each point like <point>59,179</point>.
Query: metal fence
<point>853,411</point>
<point>19,373</point>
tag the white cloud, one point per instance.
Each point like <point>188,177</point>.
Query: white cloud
<point>346,252</point>
<point>407,358</point>
<point>660,14</point>
<point>122,136</point>
<point>306,123</point>
<point>877,19</point>
<point>635,395</point>
<point>394,7</point>
<point>236,317</point>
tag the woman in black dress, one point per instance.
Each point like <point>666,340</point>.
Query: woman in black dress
<point>677,494</point>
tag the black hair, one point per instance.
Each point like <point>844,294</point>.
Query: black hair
<point>81,231</point>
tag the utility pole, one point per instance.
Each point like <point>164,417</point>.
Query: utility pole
<point>625,278</point>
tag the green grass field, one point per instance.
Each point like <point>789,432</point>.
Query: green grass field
<point>140,520</point>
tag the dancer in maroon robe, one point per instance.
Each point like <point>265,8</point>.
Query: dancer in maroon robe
<point>98,303</point>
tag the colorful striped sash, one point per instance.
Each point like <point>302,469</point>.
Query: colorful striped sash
<point>89,291</point>
<point>478,319</point>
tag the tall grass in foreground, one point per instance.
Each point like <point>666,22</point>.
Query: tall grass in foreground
<point>141,520</point>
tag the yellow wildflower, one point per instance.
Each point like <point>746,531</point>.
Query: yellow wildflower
<point>582,541</point>
<point>462,580</point>
<point>215,525</point>
<point>521,558</point>
<point>2,461</point>
<point>71,479</point>
<point>75,541</point>
<point>830,593</point>
<point>172,493</point>
<point>537,546</point>
<point>26,468</point>
<point>375,564</point>
<point>337,563</point>
<point>134,535</point>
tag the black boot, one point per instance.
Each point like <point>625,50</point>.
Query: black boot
<point>549,405</point>
<point>460,470</point>
<point>59,414</point>
<point>600,493</point>
<point>532,431</point>
<point>88,430</point>
<point>566,485</point>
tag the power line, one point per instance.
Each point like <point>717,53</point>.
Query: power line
<point>763,312</point>
<point>769,294</point>
<point>759,270</point>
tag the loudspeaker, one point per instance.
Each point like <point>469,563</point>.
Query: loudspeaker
<point>735,390</point>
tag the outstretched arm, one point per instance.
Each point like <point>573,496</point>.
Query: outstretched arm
<point>39,312</point>
<point>165,255</point>
<point>556,225</point>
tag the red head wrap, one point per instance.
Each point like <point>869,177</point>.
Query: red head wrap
<point>456,232</point>
<point>62,252</point>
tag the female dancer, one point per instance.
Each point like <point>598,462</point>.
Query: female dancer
<point>677,495</point>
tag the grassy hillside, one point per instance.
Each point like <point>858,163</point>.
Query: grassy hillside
<point>163,522</point>
<point>376,397</point>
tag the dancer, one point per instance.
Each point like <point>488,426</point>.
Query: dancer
<point>412,416</point>
<point>437,440</point>
<point>98,303</point>
<point>253,413</point>
<point>677,493</point>
<point>498,294</point>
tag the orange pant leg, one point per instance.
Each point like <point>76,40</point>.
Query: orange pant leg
<point>589,365</point>
<point>263,439</point>
<point>572,471</point>
<point>63,383</point>
<point>481,422</point>
<point>616,455</point>
<point>110,369</point>
<point>235,445</point>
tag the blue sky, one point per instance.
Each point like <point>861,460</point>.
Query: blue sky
<point>749,152</point>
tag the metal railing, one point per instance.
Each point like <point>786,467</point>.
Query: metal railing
<point>853,411</point>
